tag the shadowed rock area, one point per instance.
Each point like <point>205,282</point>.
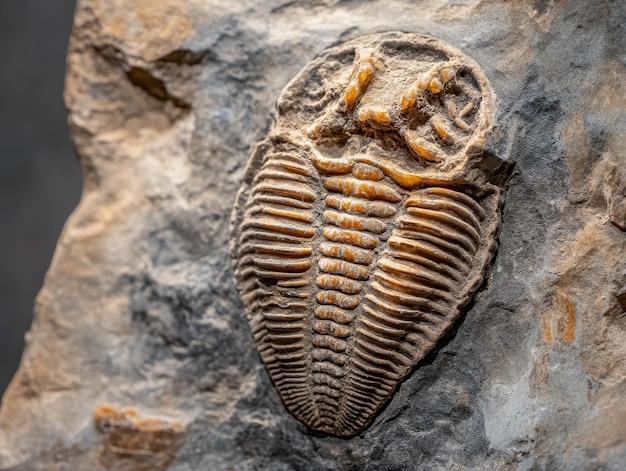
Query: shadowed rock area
<point>140,357</point>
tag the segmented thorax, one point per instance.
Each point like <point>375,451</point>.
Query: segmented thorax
<point>364,225</point>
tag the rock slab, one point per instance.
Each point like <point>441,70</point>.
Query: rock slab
<point>140,357</point>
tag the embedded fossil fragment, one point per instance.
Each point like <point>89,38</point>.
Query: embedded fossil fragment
<point>365,222</point>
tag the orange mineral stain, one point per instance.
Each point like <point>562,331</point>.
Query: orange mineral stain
<point>135,442</point>
<point>567,317</point>
<point>546,327</point>
<point>560,321</point>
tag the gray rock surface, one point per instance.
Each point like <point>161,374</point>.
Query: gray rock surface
<point>139,356</point>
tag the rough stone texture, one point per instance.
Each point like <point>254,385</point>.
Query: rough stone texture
<point>139,313</point>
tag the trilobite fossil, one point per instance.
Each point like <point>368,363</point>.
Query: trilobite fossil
<point>365,222</point>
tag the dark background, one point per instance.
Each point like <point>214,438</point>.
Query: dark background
<point>39,174</point>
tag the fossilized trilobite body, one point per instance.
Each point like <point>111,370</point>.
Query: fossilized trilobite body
<point>365,222</point>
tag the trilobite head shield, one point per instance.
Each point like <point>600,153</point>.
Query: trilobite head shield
<point>365,222</point>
